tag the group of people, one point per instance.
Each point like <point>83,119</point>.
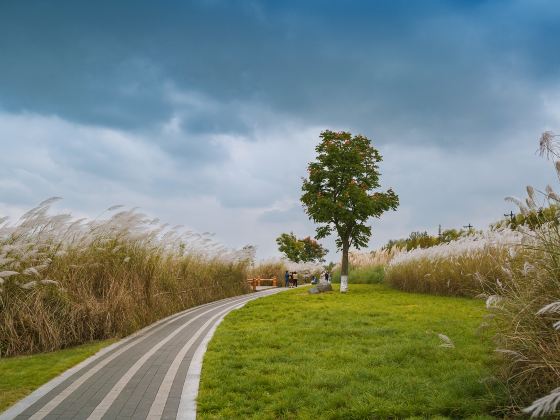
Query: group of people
<point>325,275</point>
<point>290,279</point>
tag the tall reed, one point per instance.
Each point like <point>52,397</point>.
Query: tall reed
<point>65,281</point>
<point>468,266</point>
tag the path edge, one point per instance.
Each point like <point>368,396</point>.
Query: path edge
<point>26,402</point>
<point>187,404</point>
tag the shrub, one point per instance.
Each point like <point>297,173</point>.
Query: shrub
<point>373,274</point>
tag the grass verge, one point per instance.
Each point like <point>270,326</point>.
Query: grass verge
<point>373,352</point>
<point>20,376</point>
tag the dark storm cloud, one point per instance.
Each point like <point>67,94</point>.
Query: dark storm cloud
<point>438,71</point>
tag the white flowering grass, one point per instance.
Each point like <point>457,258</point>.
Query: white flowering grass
<point>464,267</point>
<point>380,257</point>
<point>65,281</point>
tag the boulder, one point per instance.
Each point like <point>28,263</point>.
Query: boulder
<point>320,288</point>
<point>324,287</point>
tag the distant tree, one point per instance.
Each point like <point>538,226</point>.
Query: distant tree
<point>535,218</point>
<point>340,192</point>
<point>312,250</point>
<point>300,250</point>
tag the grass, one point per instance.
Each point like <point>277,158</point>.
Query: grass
<point>19,376</point>
<point>371,353</point>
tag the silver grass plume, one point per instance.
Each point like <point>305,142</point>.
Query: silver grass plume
<point>531,197</point>
<point>49,281</point>
<point>115,207</point>
<point>548,145</point>
<point>545,405</point>
<point>5,274</point>
<point>31,271</point>
<point>527,268</point>
<point>518,203</point>
<point>29,285</point>
<point>446,341</point>
<point>551,194</point>
<point>515,355</point>
<point>49,201</point>
<point>551,308</point>
<point>493,301</point>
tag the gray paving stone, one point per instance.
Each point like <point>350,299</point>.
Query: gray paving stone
<point>89,385</point>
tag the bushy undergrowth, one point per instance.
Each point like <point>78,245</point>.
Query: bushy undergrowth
<point>362,275</point>
<point>65,282</point>
<point>367,267</point>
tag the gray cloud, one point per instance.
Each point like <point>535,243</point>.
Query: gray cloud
<point>442,72</point>
<point>208,111</point>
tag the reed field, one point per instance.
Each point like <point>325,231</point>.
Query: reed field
<point>470,266</point>
<point>66,281</point>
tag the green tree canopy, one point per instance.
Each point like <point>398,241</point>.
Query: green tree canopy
<point>300,250</point>
<point>340,191</point>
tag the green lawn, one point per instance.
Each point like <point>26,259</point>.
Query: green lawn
<point>19,376</point>
<point>371,353</point>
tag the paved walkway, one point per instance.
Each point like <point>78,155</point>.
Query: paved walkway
<point>152,374</point>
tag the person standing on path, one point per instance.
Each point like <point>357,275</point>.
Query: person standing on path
<point>287,279</point>
<point>295,278</point>
<point>327,276</point>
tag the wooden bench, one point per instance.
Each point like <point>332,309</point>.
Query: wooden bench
<point>254,282</point>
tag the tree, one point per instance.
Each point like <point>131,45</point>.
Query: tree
<point>312,250</point>
<point>339,193</point>
<point>300,250</point>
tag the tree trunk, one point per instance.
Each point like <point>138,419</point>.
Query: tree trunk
<point>344,268</point>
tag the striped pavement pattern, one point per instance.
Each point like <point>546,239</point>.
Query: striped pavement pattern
<point>152,374</point>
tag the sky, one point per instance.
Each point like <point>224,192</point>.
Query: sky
<point>205,113</point>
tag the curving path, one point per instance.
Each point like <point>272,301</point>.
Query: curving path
<point>151,374</point>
